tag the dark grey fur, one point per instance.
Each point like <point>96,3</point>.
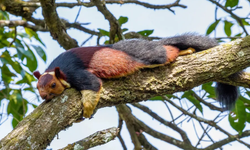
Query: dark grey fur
<point>147,52</point>
<point>198,42</point>
<point>152,52</point>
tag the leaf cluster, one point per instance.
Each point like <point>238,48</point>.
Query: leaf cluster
<point>18,59</point>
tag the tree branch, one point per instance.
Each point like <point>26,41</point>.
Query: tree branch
<point>56,26</point>
<point>114,25</point>
<point>15,23</point>
<point>166,123</point>
<point>135,135</point>
<point>227,140</point>
<point>98,138</point>
<point>238,19</point>
<point>38,129</point>
<point>140,126</point>
<point>90,4</point>
<point>120,123</point>
<point>130,126</point>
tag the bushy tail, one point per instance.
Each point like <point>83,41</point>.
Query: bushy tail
<point>184,41</point>
<point>226,95</point>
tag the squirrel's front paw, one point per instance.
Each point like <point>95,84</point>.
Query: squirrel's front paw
<point>90,100</point>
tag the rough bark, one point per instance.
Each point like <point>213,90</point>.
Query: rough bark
<point>38,129</point>
<point>96,139</point>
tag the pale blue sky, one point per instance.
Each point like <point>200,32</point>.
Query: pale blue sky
<point>196,18</point>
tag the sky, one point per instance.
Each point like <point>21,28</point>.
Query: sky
<point>198,15</point>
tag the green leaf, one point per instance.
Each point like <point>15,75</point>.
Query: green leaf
<point>27,78</point>
<point>122,20</point>
<point>31,64</point>
<point>189,95</point>
<point>239,34</point>
<point>248,117</point>
<point>124,29</point>
<point>4,15</point>
<point>15,121</point>
<point>156,98</point>
<point>7,74</point>
<point>31,89</point>
<point>4,93</point>
<point>6,59</point>
<point>103,32</point>
<point>245,100</point>
<point>23,35</point>
<point>17,106</point>
<point>245,23</point>
<point>209,89</point>
<point>212,27</point>
<point>227,28</point>
<point>146,32</point>
<point>32,33</point>
<point>171,96</point>
<point>237,118</point>
<point>231,3</point>
<point>4,39</point>
<point>40,52</point>
<point>34,106</point>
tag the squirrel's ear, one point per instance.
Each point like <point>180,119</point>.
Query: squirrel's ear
<point>59,74</point>
<point>37,74</point>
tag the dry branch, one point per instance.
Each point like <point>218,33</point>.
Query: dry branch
<point>15,23</point>
<point>165,122</point>
<point>38,129</point>
<point>56,26</point>
<point>138,139</point>
<point>114,25</point>
<point>98,138</point>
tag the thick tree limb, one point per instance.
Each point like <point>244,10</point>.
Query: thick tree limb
<point>56,26</point>
<point>16,7</point>
<point>38,129</point>
<point>98,138</point>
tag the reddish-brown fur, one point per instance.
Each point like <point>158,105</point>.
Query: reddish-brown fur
<point>172,53</point>
<point>46,88</point>
<point>45,79</point>
<point>106,62</point>
<point>110,63</point>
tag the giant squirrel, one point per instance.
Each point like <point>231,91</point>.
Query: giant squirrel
<point>82,67</point>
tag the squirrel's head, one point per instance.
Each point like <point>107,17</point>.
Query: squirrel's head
<point>51,84</point>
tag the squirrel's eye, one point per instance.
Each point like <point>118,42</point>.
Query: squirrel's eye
<point>53,85</point>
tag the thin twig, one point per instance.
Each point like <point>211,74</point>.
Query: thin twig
<point>237,18</point>
<point>120,123</point>
<point>170,112</point>
<point>14,39</point>
<point>161,120</point>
